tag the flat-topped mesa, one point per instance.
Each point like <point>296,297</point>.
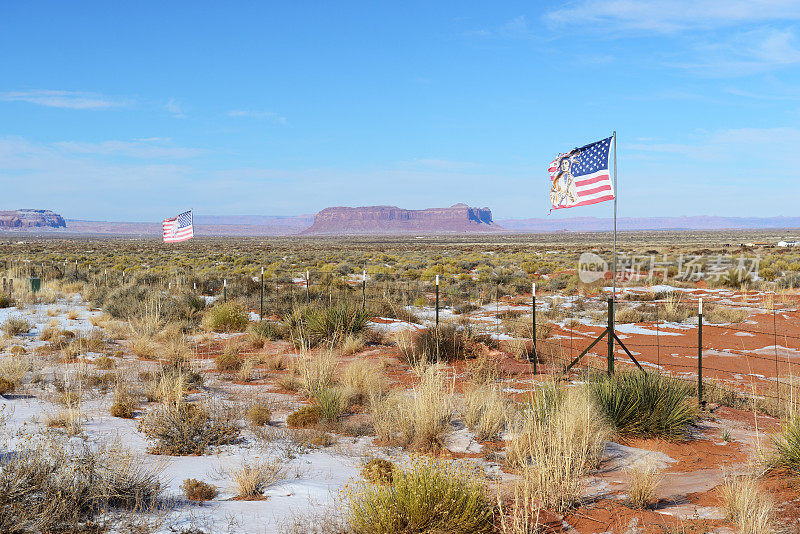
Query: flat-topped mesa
<point>459,218</point>
<point>31,219</point>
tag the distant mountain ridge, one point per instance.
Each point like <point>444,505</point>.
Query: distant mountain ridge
<point>458,218</point>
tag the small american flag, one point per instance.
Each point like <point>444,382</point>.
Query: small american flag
<point>581,176</point>
<point>180,228</point>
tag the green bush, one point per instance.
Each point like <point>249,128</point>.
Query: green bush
<point>645,403</point>
<point>431,496</point>
<point>226,317</point>
<point>331,404</point>
<point>310,325</point>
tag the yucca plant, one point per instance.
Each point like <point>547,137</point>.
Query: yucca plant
<point>645,403</point>
<point>312,325</point>
<point>787,443</point>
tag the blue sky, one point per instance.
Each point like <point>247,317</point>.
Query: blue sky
<point>133,111</point>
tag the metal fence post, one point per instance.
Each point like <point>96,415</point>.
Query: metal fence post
<point>437,301</point>
<point>610,335</point>
<point>533,327</point>
<point>225,290</point>
<point>364,292</point>
<point>700,401</point>
<point>261,306</point>
<point>308,283</point>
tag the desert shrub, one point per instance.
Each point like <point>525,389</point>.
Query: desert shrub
<point>197,490</point>
<point>135,300</point>
<point>378,471</point>
<point>484,369</point>
<point>180,428</point>
<point>386,308</point>
<point>363,380</point>
<point>431,496</point>
<point>747,506</point>
<point>226,317</point>
<point>14,368</point>
<point>310,325</point>
<point>486,412</point>
<point>645,403</point>
<point>6,301</point>
<point>559,437</point>
<point>52,488</point>
<point>673,310</point>
<point>305,417</point>
<point>787,443</point>
<point>259,414</point>
<point>419,419</point>
<point>6,386</point>
<point>352,344</point>
<point>250,479</point>
<point>16,325</point>
<point>445,343</point>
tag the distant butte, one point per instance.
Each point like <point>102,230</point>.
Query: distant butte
<point>458,218</point>
<point>31,219</point>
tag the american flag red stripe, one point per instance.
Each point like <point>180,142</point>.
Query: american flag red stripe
<point>179,228</point>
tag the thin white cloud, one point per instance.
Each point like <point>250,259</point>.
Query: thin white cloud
<point>746,53</point>
<point>436,164</point>
<point>174,107</point>
<point>263,115</point>
<point>62,99</point>
<point>142,149</point>
<point>668,16</point>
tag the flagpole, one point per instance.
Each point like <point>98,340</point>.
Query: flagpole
<point>614,271</point>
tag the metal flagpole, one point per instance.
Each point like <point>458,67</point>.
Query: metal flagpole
<point>614,271</point>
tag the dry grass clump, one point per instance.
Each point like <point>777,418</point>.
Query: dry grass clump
<point>16,325</point>
<point>484,369</point>
<point>448,342</point>
<point>747,506</point>
<point>418,418</point>
<point>13,369</point>
<point>198,491</point>
<point>229,360</point>
<point>363,380</point>
<point>561,435</point>
<point>52,488</point>
<point>628,315</point>
<point>181,428</point>
<point>124,405</point>
<point>317,371</point>
<point>717,314</point>
<point>259,414</point>
<point>104,362</point>
<point>486,411</point>
<point>261,332</point>
<point>226,317</point>
<point>431,496</point>
<point>673,310</point>
<point>250,479</point>
<point>332,404</point>
<point>642,483</point>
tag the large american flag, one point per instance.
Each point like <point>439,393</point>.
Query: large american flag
<point>178,228</point>
<point>581,176</point>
